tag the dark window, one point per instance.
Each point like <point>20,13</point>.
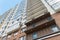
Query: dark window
<point>17,19</point>
<point>33,24</point>
<point>49,18</point>
<point>12,22</point>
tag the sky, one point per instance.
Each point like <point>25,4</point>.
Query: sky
<point>7,4</point>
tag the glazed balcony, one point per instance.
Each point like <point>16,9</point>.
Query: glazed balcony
<point>12,28</point>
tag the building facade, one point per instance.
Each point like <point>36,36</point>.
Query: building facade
<point>32,20</point>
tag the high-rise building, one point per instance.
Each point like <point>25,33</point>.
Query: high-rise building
<point>32,20</point>
<point>2,20</point>
<point>15,18</point>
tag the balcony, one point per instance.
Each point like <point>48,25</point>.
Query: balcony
<point>12,28</point>
<point>40,25</point>
<point>43,16</point>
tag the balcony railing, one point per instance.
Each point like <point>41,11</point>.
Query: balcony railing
<point>40,25</point>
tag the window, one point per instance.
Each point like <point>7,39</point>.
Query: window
<point>49,18</point>
<point>54,28</point>
<point>1,22</point>
<point>22,38</point>
<point>9,18</point>
<point>23,29</point>
<point>34,35</point>
<point>17,19</point>
<point>7,22</point>
<point>12,22</point>
<point>53,3</point>
<point>33,25</point>
<point>17,15</point>
<point>23,26</point>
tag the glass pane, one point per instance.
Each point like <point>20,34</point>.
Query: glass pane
<point>34,35</point>
<point>55,28</point>
<point>54,4</point>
